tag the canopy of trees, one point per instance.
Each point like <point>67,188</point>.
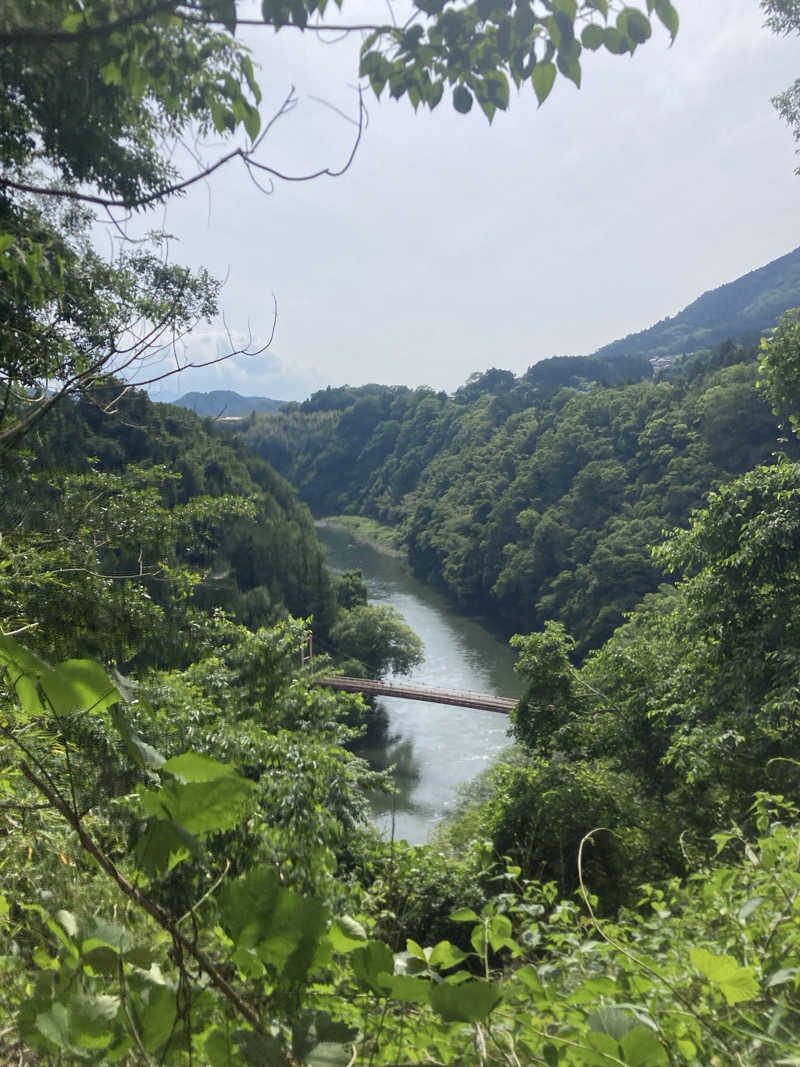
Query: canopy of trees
<point>526,504</point>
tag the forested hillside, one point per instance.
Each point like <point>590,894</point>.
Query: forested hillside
<point>743,308</point>
<point>224,403</point>
<point>169,494</point>
<point>528,507</point>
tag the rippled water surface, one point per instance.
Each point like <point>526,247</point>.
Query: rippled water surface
<point>436,747</point>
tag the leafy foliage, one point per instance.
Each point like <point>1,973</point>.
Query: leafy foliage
<point>701,970</point>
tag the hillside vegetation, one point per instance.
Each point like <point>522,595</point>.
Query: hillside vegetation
<point>527,506</point>
<point>187,871</point>
<point>743,308</point>
<point>224,403</point>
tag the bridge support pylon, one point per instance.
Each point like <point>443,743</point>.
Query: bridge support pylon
<point>307,649</point>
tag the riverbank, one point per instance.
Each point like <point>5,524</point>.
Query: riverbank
<point>384,539</point>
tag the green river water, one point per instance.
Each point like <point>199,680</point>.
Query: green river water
<point>435,747</point>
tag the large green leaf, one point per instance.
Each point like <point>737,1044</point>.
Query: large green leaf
<point>90,1018</point>
<point>71,686</point>
<point>447,955</point>
<point>407,988</point>
<point>285,929</point>
<point>200,807</point>
<point>468,1002</point>
<point>543,78</point>
<point>641,1048</point>
<point>79,685</point>
<point>194,767</point>
<point>163,845</point>
<point>157,1010</point>
<point>372,965</point>
<point>734,982</point>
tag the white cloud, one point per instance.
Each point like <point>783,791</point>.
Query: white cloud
<point>451,246</point>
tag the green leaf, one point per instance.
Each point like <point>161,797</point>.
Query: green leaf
<point>372,964</point>
<point>478,939</point>
<point>79,685</point>
<point>593,37</point>
<point>416,950</point>
<point>734,982</point>
<point>407,988</point>
<point>111,73</point>
<point>72,21</point>
<point>499,932</point>
<point>252,122</point>
<point>285,929</point>
<point>6,241</point>
<point>143,754</point>
<point>158,1012</point>
<point>200,807</point>
<point>462,99</point>
<point>616,1022</point>
<point>90,1016</point>
<point>780,977</point>
<point>105,934</point>
<point>261,1050</point>
<point>346,934</point>
<point>163,845</point>
<point>447,955</point>
<point>193,767</point>
<point>668,15</point>
<point>464,915</point>
<point>218,116</point>
<point>641,1048</point>
<point>54,1025</point>
<point>637,26</point>
<point>468,1002</point>
<point>568,62</point>
<point>588,992</point>
<point>542,79</point>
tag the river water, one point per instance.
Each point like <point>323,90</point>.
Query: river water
<point>434,747</point>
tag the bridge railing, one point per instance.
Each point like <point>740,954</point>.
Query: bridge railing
<point>458,697</point>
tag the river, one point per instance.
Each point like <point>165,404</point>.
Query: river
<point>435,747</point>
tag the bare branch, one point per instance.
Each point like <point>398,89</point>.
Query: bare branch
<point>246,155</point>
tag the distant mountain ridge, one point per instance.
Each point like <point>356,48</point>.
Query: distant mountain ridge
<point>739,309</point>
<point>227,404</point>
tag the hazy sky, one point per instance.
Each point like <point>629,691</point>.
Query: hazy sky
<point>452,246</point>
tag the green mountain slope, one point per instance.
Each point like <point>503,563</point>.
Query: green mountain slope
<point>742,308</point>
<point>224,402</point>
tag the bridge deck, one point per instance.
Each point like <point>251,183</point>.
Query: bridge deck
<point>454,697</point>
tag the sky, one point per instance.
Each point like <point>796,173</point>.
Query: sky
<point>451,245</point>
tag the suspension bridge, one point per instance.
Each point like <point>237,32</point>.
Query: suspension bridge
<point>455,697</point>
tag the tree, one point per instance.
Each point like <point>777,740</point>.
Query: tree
<point>780,368</point>
<point>377,639</point>
<point>96,96</point>
<point>783,17</point>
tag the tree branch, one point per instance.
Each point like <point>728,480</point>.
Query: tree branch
<point>243,1007</point>
<point>246,155</point>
